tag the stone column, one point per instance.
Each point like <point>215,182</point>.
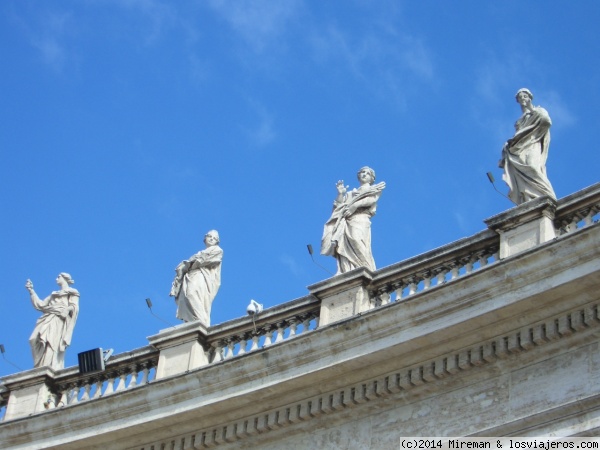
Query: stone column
<point>524,226</point>
<point>343,296</point>
<point>182,348</point>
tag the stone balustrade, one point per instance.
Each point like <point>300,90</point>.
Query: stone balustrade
<point>447,263</point>
<point>462,257</point>
<point>273,325</point>
<point>361,290</point>
<point>171,348</point>
<point>192,345</point>
<point>578,210</point>
<point>434,268</point>
<point>122,372</point>
<point>4,394</point>
<point>41,389</point>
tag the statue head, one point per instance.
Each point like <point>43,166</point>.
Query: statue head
<point>367,170</point>
<point>525,91</point>
<point>211,238</point>
<point>65,276</point>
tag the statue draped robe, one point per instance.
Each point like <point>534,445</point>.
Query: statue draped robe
<point>196,284</point>
<point>524,157</point>
<point>348,239</point>
<point>53,331</point>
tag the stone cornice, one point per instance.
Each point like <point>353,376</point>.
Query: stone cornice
<point>398,383</point>
<point>175,335</point>
<point>30,377</point>
<point>526,212</point>
<point>342,282</point>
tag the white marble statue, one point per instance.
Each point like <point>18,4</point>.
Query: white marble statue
<point>347,233</point>
<point>53,331</point>
<point>524,155</point>
<point>197,281</point>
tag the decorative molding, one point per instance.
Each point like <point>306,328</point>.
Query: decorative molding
<point>518,341</point>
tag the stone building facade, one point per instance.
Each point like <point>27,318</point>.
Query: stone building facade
<point>496,334</point>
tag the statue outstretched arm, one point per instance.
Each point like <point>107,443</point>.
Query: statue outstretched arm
<point>35,300</point>
<point>341,196</point>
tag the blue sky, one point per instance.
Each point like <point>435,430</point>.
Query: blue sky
<point>128,128</point>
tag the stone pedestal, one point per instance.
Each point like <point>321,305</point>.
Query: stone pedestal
<point>182,348</point>
<point>524,226</point>
<point>29,392</point>
<point>343,296</point>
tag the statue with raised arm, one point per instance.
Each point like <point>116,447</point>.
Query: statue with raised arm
<point>524,155</point>
<point>53,331</point>
<point>197,281</point>
<point>347,233</point>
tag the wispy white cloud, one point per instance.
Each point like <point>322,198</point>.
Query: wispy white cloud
<point>292,265</point>
<point>160,15</point>
<point>260,23</point>
<point>562,116</point>
<point>496,82</point>
<point>49,38</point>
<point>417,57</point>
<point>183,173</point>
<point>462,222</point>
<point>158,18</point>
<point>495,77</point>
<point>52,31</point>
<point>263,133</point>
<point>170,208</point>
<point>52,52</point>
<point>383,58</point>
<point>199,70</point>
<point>493,104</point>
